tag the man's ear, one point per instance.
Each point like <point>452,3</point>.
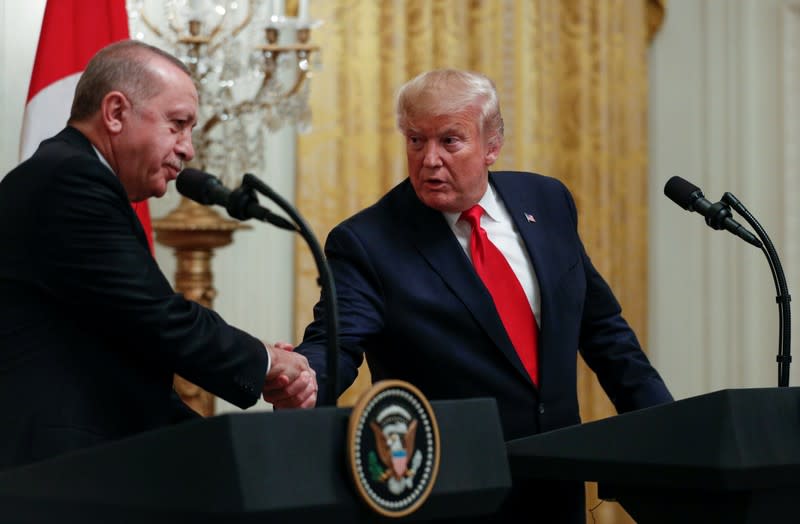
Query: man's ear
<point>115,110</point>
<point>492,151</point>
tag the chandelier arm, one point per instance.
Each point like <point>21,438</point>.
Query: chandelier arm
<point>200,160</point>
<point>175,29</point>
<point>214,33</point>
<point>264,83</point>
<point>275,48</point>
<point>210,124</point>
<point>301,78</point>
<point>146,21</point>
<point>234,32</point>
<point>246,22</point>
<point>245,106</point>
<point>215,119</point>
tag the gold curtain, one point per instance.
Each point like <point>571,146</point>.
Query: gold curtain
<point>572,80</point>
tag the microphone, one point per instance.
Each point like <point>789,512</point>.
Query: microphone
<point>718,216</point>
<point>240,203</point>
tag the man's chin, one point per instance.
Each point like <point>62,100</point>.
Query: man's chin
<point>153,193</point>
<point>440,202</point>
<point>159,189</point>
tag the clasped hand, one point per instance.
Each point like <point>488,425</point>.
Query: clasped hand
<point>290,382</point>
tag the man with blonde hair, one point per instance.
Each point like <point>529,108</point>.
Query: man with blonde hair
<point>471,283</point>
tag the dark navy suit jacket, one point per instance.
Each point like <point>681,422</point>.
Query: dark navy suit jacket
<point>90,330</point>
<point>409,298</point>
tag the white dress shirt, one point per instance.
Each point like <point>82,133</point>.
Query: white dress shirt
<point>500,229</point>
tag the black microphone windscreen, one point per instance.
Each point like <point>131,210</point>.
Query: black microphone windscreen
<point>682,192</point>
<point>194,185</point>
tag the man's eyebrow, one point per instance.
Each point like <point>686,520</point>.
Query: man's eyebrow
<point>452,130</point>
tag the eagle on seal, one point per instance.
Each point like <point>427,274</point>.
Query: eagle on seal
<point>395,449</point>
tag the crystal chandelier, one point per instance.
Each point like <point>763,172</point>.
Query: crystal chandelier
<point>251,64</point>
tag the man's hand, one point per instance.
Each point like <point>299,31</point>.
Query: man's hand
<point>290,383</point>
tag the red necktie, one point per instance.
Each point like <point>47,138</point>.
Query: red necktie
<point>509,298</point>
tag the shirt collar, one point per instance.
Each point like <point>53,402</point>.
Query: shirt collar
<point>103,159</point>
<point>489,202</point>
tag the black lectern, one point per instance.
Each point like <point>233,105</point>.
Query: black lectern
<point>729,456</point>
<point>286,466</point>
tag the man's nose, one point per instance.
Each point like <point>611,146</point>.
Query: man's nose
<point>432,157</point>
<point>184,148</point>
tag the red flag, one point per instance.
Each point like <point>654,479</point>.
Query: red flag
<point>72,32</point>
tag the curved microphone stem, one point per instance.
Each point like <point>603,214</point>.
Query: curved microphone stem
<point>783,298</point>
<point>325,281</point>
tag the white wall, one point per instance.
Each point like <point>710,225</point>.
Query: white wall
<point>718,110</point>
<point>19,34</point>
<point>254,275</point>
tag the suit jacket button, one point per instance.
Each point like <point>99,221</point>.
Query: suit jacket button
<point>541,409</point>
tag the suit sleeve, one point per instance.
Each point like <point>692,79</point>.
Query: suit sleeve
<point>360,305</point>
<point>91,259</point>
<point>610,347</point>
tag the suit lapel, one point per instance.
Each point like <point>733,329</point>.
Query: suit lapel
<point>435,241</point>
<point>527,212</point>
<point>522,205</point>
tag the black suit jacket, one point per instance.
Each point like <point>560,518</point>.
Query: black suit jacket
<point>90,330</point>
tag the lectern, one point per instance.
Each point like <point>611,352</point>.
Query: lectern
<point>286,466</point>
<point>725,457</point>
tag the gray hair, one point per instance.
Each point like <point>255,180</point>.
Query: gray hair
<point>447,91</point>
<point>122,66</point>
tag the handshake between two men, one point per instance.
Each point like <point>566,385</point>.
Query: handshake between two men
<point>290,381</point>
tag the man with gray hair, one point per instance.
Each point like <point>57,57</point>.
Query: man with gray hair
<point>471,283</point>
<point>91,332</point>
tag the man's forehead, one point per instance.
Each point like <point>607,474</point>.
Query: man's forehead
<point>439,124</point>
<point>183,111</point>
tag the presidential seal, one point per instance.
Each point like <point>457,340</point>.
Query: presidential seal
<point>393,448</point>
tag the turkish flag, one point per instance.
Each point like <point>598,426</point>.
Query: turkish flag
<point>72,32</point>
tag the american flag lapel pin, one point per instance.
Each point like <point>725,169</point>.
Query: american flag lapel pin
<point>529,217</point>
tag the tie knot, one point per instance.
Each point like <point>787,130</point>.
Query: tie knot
<point>473,215</point>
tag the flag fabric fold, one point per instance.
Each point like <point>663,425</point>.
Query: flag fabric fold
<point>72,32</point>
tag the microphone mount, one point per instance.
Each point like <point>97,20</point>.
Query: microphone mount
<point>243,204</point>
<point>783,298</point>
<point>716,215</point>
<point>242,198</point>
